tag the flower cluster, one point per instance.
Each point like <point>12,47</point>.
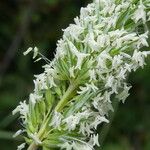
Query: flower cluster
<point>77,89</point>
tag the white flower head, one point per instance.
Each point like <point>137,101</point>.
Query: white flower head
<point>95,55</point>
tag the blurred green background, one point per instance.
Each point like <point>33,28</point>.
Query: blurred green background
<point>25,23</point>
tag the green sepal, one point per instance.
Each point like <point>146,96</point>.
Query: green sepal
<point>32,114</point>
<point>30,128</point>
<point>49,98</point>
<point>42,106</point>
<point>58,91</point>
<point>79,102</point>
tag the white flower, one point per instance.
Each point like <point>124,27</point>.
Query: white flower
<point>87,88</point>
<point>85,12</point>
<point>103,40</point>
<point>50,74</point>
<point>117,61</point>
<point>56,120</point>
<point>18,133</point>
<point>91,42</point>
<point>109,81</point>
<point>143,40</point>
<point>94,140</point>
<point>92,75</point>
<point>98,120</point>
<point>128,67</point>
<point>23,109</point>
<point>124,94</point>
<point>77,21</point>
<point>34,98</point>
<point>71,122</point>
<point>74,31</point>
<point>117,33</point>
<point>80,56</point>
<point>61,45</point>
<point>85,128</point>
<point>139,57</point>
<point>122,73</point>
<point>128,38</point>
<point>40,82</point>
<point>97,100</point>
<point>140,13</point>
<point>20,147</point>
<point>106,96</point>
<point>102,58</point>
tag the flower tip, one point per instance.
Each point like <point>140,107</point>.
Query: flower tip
<point>28,51</point>
<point>35,52</point>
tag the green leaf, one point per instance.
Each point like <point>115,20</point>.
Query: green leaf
<point>79,102</point>
<point>42,106</point>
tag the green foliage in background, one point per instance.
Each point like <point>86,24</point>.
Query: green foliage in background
<point>39,23</point>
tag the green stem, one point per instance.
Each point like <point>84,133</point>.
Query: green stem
<point>66,97</point>
<point>41,133</point>
<point>33,146</point>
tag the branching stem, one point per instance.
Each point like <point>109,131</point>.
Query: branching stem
<point>65,97</point>
<point>33,146</point>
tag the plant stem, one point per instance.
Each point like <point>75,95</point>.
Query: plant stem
<point>59,107</point>
<point>65,98</point>
<point>41,132</point>
<point>33,146</point>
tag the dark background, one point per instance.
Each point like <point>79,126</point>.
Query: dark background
<point>25,23</point>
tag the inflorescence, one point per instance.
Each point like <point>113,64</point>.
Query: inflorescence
<point>75,92</point>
